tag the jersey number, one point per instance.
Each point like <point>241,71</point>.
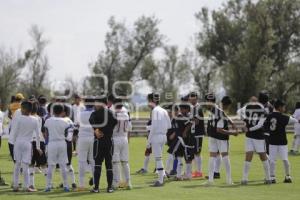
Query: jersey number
<point>273,124</point>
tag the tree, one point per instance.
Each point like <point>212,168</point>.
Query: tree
<point>251,42</point>
<point>11,67</point>
<point>37,64</point>
<point>167,74</point>
<point>125,50</point>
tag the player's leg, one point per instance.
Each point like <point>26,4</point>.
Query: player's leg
<point>213,152</point>
<point>260,149</point>
<point>249,149</point>
<point>198,157</point>
<point>116,165</point>
<point>98,158</point>
<point>179,168</point>
<point>157,147</point>
<point>109,168</point>
<point>124,156</point>
<point>283,153</point>
<point>16,176</point>
<point>144,170</point>
<point>224,150</point>
<point>218,166</point>
<point>273,152</point>
<point>69,167</point>
<point>82,151</point>
<point>31,166</point>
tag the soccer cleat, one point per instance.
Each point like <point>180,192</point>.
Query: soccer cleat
<point>273,179</point>
<point>244,182</point>
<point>288,179</point>
<point>173,173</point>
<point>142,171</point>
<point>91,181</point>
<point>197,174</point>
<point>66,189</point>
<point>74,186</point>
<point>158,184</point>
<point>216,175</point>
<point>32,187</point>
<point>81,189</point>
<point>178,178</point>
<point>110,190</point>
<point>268,182</point>
<point>61,185</point>
<point>16,190</point>
<point>31,190</point>
<point>94,190</point>
<point>47,190</point>
<point>128,186</point>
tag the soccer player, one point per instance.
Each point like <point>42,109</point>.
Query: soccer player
<point>85,140</point>
<point>56,130</point>
<point>103,123</point>
<point>77,107</point>
<point>22,131</point>
<point>218,132</point>
<point>160,123</point>
<point>296,142</point>
<point>38,158</point>
<point>255,139</point>
<point>121,149</point>
<point>197,131</point>
<point>275,125</point>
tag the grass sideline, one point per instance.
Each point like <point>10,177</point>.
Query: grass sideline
<point>172,190</point>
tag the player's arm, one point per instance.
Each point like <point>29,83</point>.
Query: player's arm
<point>293,120</point>
<point>37,136</point>
<point>220,129</point>
<point>69,132</point>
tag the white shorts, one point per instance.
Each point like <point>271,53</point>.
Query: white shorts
<point>121,150</point>
<point>157,144</point>
<point>23,152</point>
<point>57,153</point>
<point>85,149</point>
<point>216,145</point>
<point>254,145</point>
<point>278,150</point>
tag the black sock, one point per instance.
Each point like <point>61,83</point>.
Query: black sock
<point>97,175</point>
<point>109,176</point>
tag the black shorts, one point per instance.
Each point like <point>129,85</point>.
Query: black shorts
<point>75,133</point>
<point>186,152</point>
<point>198,144</point>
<point>37,159</point>
<point>174,146</point>
<point>69,152</point>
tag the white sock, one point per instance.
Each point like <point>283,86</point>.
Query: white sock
<point>297,143</point>
<point>49,175</point>
<point>218,164</point>
<point>16,174</point>
<point>146,163</point>
<point>246,170</point>
<point>169,163</point>
<point>26,175</point>
<point>267,169</point>
<point>116,173</point>
<point>179,167</point>
<point>198,161</point>
<point>226,162</point>
<point>126,171</point>
<point>211,168</point>
<point>160,169</point>
<point>70,171</point>
<point>188,170</point>
<point>64,174</point>
<point>272,168</point>
<point>81,173</point>
<point>31,176</point>
<point>287,169</point>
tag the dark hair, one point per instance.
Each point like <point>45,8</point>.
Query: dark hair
<point>101,99</point>
<point>226,101</point>
<point>67,110</point>
<point>193,95</point>
<point>49,107</point>
<point>57,108</point>
<point>263,97</point>
<point>185,98</point>
<point>278,103</point>
<point>168,107</point>
<point>35,107</point>
<point>154,97</point>
<point>184,106</point>
<point>298,105</point>
<point>89,102</point>
<point>210,97</point>
<point>12,99</point>
<point>27,106</point>
<point>42,99</point>
<point>118,103</point>
<point>111,97</point>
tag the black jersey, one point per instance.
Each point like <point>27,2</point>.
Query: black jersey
<point>171,130</point>
<point>275,125</point>
<point>254,112</point>
<point>216,116</point>
<point>197,113</point>
<point>181,124</point>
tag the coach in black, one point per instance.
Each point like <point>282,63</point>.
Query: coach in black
<point>103,122</point>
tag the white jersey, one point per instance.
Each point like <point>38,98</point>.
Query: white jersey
<point>296,115</point>
<point>85,128</point>
<point>58,128</point>
<point>16,115</point>
<point>23,129</point>
<point>77,109</point>
<point>124,123</point>
<point>160,121</point>
<point>41,136</point>
<point>1,122</point>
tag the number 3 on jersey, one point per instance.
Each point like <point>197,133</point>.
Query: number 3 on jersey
<point>273,124</point>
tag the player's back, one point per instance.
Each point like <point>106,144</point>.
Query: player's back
<point>56,128</point>
<point>123,125</point>
<point>25,127</point>
<point>275,125</point>
<point>85,128</point>
<point>254,112</point>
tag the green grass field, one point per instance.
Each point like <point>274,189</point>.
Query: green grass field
<point>172,190</point>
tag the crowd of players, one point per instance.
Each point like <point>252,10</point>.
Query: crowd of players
<point>44,136</point>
